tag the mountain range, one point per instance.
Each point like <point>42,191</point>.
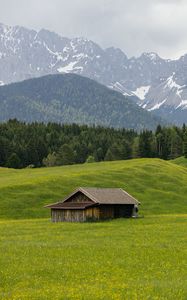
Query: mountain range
<point>71,98</point>
<point>156,84</point>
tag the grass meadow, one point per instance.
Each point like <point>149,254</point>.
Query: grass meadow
<point>141,259</point>
<point>119,259</point>
<point>160,186</point>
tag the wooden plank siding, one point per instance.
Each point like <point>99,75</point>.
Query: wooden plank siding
<point>101,212</point>
<point>75,215</point>
<point>92,213</point>
<point>106,211</point>
<point>67,215</point>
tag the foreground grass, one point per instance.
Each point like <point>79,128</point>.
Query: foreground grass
<point>160,186</point>
<point>119,259</point>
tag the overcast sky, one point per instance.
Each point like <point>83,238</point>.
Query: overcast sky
<point>135,26</point>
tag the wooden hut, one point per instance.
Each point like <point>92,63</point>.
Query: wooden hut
<point>86,204</point>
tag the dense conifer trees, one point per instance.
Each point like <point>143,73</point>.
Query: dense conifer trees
<point>38,144</point>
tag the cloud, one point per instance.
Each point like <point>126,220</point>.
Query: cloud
<point>134,26</point>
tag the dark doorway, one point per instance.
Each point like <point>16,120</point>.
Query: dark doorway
<point>123,211</point>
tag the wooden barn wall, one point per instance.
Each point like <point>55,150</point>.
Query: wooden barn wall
<point>75,215</point>
<point>93,213</point>
<point>106,211</point>
<point>67,215</point>
<point>79,198</point>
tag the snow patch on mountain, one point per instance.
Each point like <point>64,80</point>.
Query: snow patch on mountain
<point>170,83</point>
<point>1,83</point>
<point>169,96</point>
<point>157,106</point>
<point>178,90</point>
<point>183,104</point>
<point>117,86</point>
<point>142,91</point>
<point>68,68</point>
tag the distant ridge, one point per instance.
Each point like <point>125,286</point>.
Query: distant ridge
<point>72,98</point>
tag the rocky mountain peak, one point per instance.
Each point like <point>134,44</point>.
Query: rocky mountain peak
<point>159,84</point>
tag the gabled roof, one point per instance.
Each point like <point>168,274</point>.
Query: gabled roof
<point>98,196</point>
<point>108,195</point>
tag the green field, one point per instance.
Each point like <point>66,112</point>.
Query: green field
<point>141,258</point>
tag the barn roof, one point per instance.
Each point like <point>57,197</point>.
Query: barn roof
<point>98,196</point>
<point>108,195</point>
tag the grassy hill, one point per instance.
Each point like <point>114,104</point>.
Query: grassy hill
<point>159,185</point>
<point>181,161</point>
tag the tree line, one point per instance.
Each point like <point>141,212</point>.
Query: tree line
<point>38,144</point>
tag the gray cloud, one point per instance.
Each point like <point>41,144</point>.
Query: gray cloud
<point>134,26</point>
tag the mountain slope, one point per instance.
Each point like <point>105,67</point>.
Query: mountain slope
<point>71,98</point>
<point>23,193</point>
<point>168,100</point>
<point>26,53</point>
